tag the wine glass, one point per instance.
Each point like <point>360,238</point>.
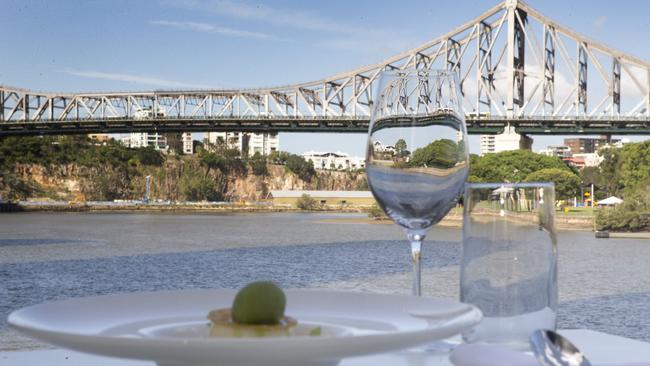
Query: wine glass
<point>417,155</point>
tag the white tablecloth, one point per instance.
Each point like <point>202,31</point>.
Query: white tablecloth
<point>599,347</point>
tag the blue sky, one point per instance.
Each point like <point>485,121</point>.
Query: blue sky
<point>141,45</point>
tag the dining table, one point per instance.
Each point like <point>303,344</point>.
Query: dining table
<point>601,348</point>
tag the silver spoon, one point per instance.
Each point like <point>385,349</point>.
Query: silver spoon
<point>551,349</point>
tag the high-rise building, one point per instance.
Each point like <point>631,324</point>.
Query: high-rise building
<point>508,140</point>
<point>487,144</point>
<point>263,143</point>
<point>144,139</point>
<point>557,151</point>
<point>588,145</point>
<point>99,138</point>
<point>180,142</point>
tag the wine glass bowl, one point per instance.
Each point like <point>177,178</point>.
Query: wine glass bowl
<point>417,154</point>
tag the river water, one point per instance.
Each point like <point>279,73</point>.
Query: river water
<point>604,283</point>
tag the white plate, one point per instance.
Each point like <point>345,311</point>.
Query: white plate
<point>170,327</point>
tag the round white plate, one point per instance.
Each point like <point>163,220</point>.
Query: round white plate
<point>170,327</point>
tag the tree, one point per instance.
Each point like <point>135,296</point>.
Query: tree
<point>626,173</point>
<point>634,166</point>
<point>258,164</point>
<point>211,161</point>
<point>590,175</point>
<point>400,148</point>
<point>441,154</point>
<point>299,166</point>
<point>567,184</point>
<point>150,156</point>
<point>278,157</point>
<point>512,166</point>
<point>198,188</point>
<point>609,170</point>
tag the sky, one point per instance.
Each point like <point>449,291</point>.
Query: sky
<point>118,45</point>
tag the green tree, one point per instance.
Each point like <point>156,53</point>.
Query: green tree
<point>258,164</point>
<point>567,184</point>
<point>212,161</point>
<point>278,157</point>
<point>400,148</point>
<point>200,188</point>
<point>442,154</point>
<point>512,166</point>
<point>150,156</point>
<point>625,172</point>
<point>590,175</point>
<point>634,166</point>
<point>302,168</point>
<point>609,170</point>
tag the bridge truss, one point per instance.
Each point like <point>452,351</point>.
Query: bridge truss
<point>516,67</point>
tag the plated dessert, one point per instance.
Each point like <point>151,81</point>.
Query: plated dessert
<point>258,311</point>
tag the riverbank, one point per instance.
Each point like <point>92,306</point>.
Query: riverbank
<point>455,219</point>
<point>184,207</point>
<point>575,221</point>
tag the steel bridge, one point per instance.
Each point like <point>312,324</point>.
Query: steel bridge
<point>516,66</point>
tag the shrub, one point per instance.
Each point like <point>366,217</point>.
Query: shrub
<point>198,188</point>
<point>306,202</point>
<point>632,215</point>
<point>621,219</point>
<point>375,212</point>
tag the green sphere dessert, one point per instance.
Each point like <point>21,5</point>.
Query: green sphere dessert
<point>258,311</point>
<point>260,302</point>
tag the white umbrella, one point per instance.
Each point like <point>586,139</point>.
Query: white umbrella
<point>613,200</point>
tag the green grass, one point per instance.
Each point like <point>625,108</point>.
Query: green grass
<point>576,211</point>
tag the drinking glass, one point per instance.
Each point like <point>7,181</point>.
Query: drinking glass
<point>417,156</point>
<point>509,260</point>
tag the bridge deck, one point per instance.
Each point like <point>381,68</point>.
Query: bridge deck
<point>529,126</point>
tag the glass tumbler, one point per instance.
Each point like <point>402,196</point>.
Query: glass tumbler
<point>509,260</point>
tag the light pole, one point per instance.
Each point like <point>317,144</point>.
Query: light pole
<point>146,192</point>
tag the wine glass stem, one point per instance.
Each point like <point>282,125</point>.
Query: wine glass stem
<point>416,248</point>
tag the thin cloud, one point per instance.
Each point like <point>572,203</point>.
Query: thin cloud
<point>135,79</point>
<point>283,17</point>
<point>209,28</point>
<point>600,21</point>
<point>343,36</point>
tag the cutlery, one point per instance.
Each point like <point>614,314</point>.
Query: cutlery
<point>552,349</point>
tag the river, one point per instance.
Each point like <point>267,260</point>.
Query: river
<point>46,256</point>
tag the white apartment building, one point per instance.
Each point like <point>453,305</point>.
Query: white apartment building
<point>163,142</point>
<point>334,160</point>
<point>487,144</point>
<point>263,143</point>
<point>379,147</point>
<point>557,151</point>
<point>181,142</point>
<point>144,139</point>
<point>508,140</point>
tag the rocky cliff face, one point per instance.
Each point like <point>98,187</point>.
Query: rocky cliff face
<point>168,182</point>
<point>256,188</point>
